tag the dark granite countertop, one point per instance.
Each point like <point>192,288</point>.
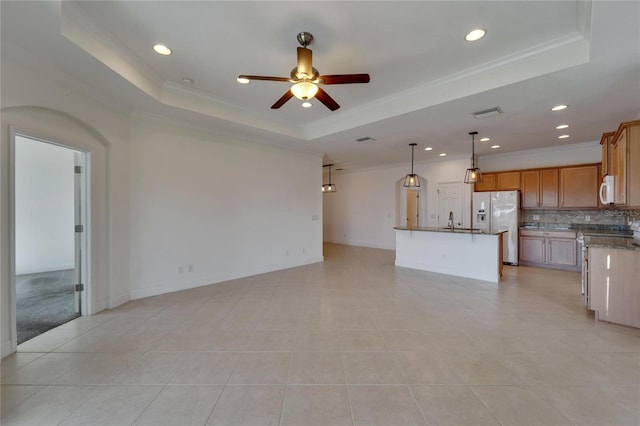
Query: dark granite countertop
<point>447,230</point>
<point>619,242</point>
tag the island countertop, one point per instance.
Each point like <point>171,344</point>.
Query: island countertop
<point>620,243</point>
<point>448,230</point>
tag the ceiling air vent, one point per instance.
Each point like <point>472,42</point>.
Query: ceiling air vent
<point>365,139</point>
<point>491,112</point>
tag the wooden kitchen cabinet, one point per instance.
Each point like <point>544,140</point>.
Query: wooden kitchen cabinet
<point>488,183</point>
<point>551,249</point>
<point>539,188</point>
<point>508,181</point>
<point>625,164</point>
<point>579,186</point>
<point>605,142</point>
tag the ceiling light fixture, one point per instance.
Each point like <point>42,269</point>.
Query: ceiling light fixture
<point>495,146</point>
<point>485,140</point>
<point>428,148</point>
<point>304,90</point>
<point>564,136</point>
<point>473,173</point>
<point>559,107</point>
<point>307,105</point>
<point>412,180</point>
<point>444,154</point>
<point>562,126</point>
<point>329,187</point>
<point>161,49</point>
<point>243,80</point>
<point>187,80</point>
<point>475,35</point>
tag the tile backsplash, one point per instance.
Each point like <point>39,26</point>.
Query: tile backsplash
<point>606,218</point>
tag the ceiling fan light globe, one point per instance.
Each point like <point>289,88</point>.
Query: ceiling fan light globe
<point>304,90</point>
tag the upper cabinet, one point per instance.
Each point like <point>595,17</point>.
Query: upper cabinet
<point>624,163</point>
<point>605,142</point>
<point>501,181</point>
<point>579,186</point>
<point>539,188</point>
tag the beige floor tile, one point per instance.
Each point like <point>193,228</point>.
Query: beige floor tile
<point>593,405</point>
<point>405,340</point>
<point>370,368</point>
<point>113,405</point>
<point>152,368</point>
<point>316,368</point>
<point>384,405</point>
<point>241,405</point>
<point>452,405</point>
<point>182,405</point>
<point>518,406</point>
<point>48,341</point>
<point>220,340</point>
<point>12,395</point>
<point>270,340</point>
<point>44,370</point>
<point>424,368</point>
<point>206,368</point>
<point>479,368</point>
<point>316,406</point>
<point>48,406</point>
<point>96,369</point>
<point>360,340</point>
<point>257,368</point>
<point>16,360</point>
<point>316,340</point>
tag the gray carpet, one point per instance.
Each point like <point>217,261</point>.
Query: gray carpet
<point>43,301</point>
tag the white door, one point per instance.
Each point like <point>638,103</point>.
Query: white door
<point>413,208</point>
<point>449,203</point>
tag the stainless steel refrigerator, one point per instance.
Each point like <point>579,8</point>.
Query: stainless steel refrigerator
<point>499,211</point>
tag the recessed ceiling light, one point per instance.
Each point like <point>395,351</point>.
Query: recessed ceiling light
<point>443,154</point>
<point>428,148</point>
<point>562,126</point>
<point>243,80</point>
<point>563,136</point>
<point>162,49</point>
<point>495,146</point>
<point>307,105</point>
<point>485,140</point>
<point>476,34</point>
<point>187,80</point>
<point>559,107</point>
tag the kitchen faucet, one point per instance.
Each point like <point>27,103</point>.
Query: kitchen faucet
<point>450,223</point>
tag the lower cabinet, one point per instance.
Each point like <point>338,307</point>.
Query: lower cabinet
<point>553,249</point>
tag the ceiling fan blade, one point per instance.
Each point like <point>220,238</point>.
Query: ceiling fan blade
<point>287,95</point>
<point>304,63</point>
<point>327,100</point>
<point>344,78</point>
<point>262,77</point>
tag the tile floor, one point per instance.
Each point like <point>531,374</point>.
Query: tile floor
<point>351,341</point>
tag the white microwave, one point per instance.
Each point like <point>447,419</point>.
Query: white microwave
<point>607,188</point>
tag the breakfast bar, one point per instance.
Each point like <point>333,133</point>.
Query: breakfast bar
<point>461,252</point>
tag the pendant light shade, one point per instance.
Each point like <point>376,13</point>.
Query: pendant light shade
<point>328,187</point>
<point>473,174</point>
<point>412,180</point>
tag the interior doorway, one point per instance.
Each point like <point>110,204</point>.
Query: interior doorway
<point>450,203</point>
<point>413,208</point>
<point>49,217</point>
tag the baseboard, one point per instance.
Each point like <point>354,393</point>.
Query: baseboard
<point>119,300</point>
<point>363,244</point>
<point>170,288</point>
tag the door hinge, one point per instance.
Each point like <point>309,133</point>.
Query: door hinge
<point>77,169</point>
<point>79,228</point>
<point>79,287</point>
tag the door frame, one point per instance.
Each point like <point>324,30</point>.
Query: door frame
<point>85,238</point>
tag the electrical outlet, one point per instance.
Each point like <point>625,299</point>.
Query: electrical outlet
<point>536,217</point>
<point>190,268</point>
<point>180,269</point>
<point>286,253</point>
<point>587,218</point>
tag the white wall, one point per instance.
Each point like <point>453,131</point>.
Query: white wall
<point>563,155</point>
<point>226,207</point>
<point>44,204</point>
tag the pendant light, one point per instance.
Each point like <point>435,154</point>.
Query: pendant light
<point>329,187</point>
<point>473,174</point>
<point>412,180</point>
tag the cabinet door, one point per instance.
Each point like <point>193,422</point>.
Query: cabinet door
<point>619,167</point>
<point>488,183</point>
<point>508,181</point>
<point>562,251</point>
<point>530,189</point>
<point>549,188</point>
<point>579,186</point>
<point>532,249</point>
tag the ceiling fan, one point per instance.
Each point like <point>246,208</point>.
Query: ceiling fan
<point>306,79</point>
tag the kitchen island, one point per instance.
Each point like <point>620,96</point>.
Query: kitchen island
<point>461,252</point>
